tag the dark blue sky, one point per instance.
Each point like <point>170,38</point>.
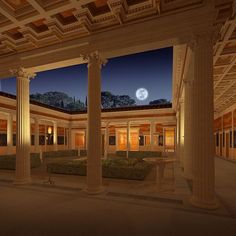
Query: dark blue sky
<point>121,76</point>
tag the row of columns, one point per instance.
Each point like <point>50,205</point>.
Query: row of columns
<point>195,123</point>
<point>200,121</point>
<point>36,122</point>
<point>94,176</point>
<point>128,125</point>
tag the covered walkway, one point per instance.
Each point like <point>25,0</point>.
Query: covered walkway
<point>43,210</point>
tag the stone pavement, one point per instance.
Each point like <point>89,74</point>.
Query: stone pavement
<point>62,209</point>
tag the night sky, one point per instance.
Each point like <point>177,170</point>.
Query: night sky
<point>121,76</point>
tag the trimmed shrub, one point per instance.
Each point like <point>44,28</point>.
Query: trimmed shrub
<point>139,154</point>
<point>67,167</point>
<point>8,162</point>
<point>61,153</point>
<point>121,168</point>
<point>83,153</point>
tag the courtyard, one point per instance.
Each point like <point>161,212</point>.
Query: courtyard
<point>64,209</point>
<point>149,83</point>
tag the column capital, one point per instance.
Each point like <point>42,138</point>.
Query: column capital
<point>23,73</point>
<point>210,35</point>
<point>94,57</point>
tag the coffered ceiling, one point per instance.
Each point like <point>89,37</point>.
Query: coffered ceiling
<point>30,24</point>
<point>26,25</point>
<point>225,59</point>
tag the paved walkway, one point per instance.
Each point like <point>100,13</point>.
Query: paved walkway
<point>39,210</point>
<point>225,172</point>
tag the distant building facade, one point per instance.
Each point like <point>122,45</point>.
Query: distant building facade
<point>144,128</point>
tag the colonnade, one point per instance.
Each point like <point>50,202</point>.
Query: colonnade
<point>197,152</point>
<point>195,118</point>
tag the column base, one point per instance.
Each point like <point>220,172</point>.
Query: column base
<point>204,205</point>
<point>23,181</point>
<point>94,191</point>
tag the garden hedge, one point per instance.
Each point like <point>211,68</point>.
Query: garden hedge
<point>61,153</point>
<point>121,168</point>
<point>8,162</point>
<point>139,154</point>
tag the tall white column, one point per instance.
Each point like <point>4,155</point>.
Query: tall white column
<point>232,144</point>
<point>9,133</point>
<point>23,77</point>
<point>64,138</point>
<point>188,124</point>
<point>94,167</point>
<point>106,140</point>
<point>86,137</point>
<point>181,132</point>
<point>69,137</point>
<point>178,135</point>
<point>36,135</point>
<point>55,136</point>
<point>128,140</point>
<point>45,137</point>
<point>152,128</point>
<point>203,195</point>
<point>163,141</point>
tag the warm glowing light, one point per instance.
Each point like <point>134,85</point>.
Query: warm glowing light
<point>49,130</point>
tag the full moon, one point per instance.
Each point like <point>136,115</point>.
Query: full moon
<point>141,94</point>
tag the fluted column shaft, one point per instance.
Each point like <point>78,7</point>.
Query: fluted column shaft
<point>152,128</point>
<point>94,168</point>
<point>22,126</point>
<point>106,140</point>
<point>203,107</point>
<point>232,144</point>
<point>181,133</point>
<point>177,134</point>
<point>188,122</point>
<point>86,137</point>
<point>36,134</point>
<point>188,130</point>
<point>69,138</point>
<point>128,140</point>
<point>55,136</point>
<point>9,133</point>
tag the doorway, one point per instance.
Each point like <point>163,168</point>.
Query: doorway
<point>133,140</point>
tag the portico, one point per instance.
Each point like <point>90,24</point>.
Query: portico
<point>191,35</point>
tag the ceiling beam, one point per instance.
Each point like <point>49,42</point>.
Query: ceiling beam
<point>122,40</point>
<point>225,90</point>
<point>225,72</point>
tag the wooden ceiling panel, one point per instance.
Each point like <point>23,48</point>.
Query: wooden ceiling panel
<point>14,33</point>
<point>98,10</point>
<point>53,4</point>
<point>17,4</point>
<point>67,17</point>
<point>39,26</point>
<point>224,60</point>
<point>218,70</point>
<point>100,3</point>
